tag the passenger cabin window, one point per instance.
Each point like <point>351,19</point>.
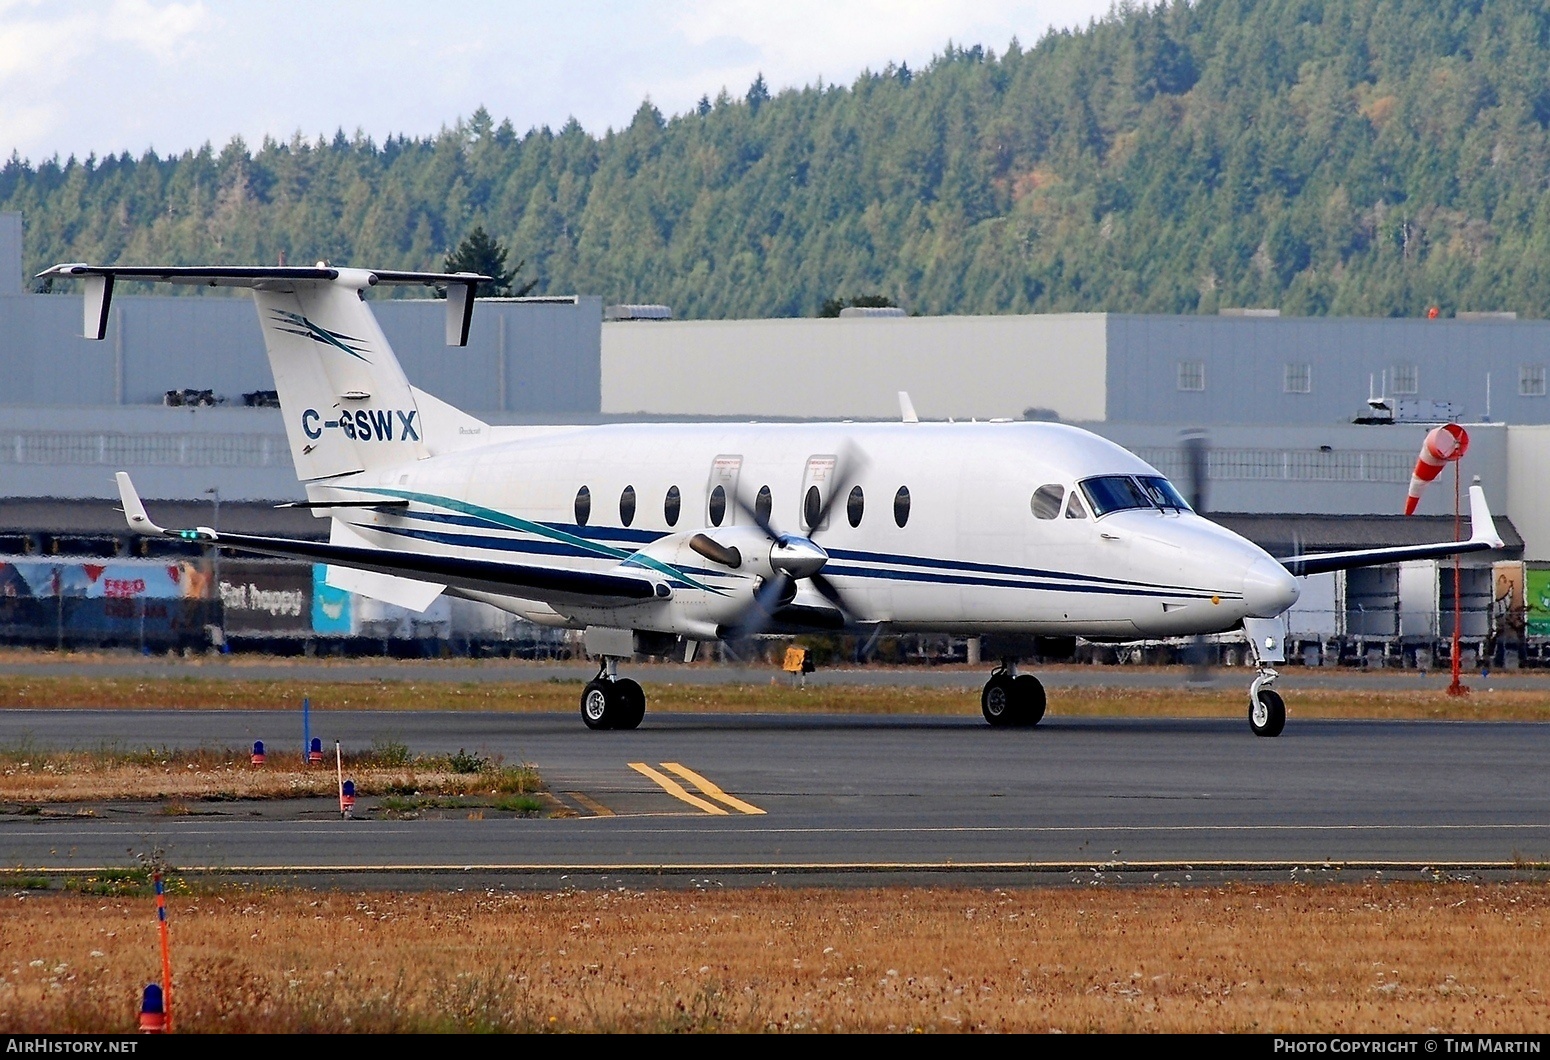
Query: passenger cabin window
<point>901,506</point>
<point>1046,501</point>
<point>718,505</point>
<point>627,506</point>
<point>855,506</point>
<point>812,508</point>
<point>583,506</point>
<point>763,504</point>
<point>1074,509</point>
<point>672,504</point>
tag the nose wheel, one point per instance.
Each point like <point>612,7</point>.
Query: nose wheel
<point>1267,710</point>
<point>612,702</point>
<point>1011,699</point>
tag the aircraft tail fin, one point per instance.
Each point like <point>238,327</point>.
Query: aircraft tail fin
<point>347,405</point>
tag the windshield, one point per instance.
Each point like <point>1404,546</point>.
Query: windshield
<point>1163,493</point>
<point>1113,493</point>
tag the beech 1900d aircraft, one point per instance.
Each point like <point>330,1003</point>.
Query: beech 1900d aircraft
<point>650,535</point>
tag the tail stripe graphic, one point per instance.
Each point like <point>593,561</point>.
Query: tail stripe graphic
<point>305,328</point>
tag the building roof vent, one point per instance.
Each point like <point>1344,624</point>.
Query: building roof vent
<point>637,312</point>
<point>872,311</point>
<point>1248,312</point>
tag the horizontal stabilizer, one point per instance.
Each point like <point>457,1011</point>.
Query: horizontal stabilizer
<point>100,279</point>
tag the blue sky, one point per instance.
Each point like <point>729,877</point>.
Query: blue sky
<point>81,77</point>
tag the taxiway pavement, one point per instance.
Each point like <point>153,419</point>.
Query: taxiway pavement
<point>833,793</point>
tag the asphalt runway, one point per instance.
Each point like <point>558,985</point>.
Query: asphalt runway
<point>795,796</point>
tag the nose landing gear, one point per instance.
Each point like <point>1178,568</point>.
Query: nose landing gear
<point>1012,699</point>
<point>610,701</point>
<point>1267,710</point>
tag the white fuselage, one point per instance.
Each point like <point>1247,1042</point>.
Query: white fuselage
<point>972,555</point>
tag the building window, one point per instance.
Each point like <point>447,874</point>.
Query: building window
<point>1404,379</point>
<point>1298,379</point>
<point>1531,380</point>
<point>1192,375</point>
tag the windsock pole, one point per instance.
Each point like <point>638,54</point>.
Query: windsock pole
<point>1456,688</point>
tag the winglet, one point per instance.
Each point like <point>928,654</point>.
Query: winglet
<point>907,408</point>
<point>1482,526</point>
<point>134,508</point>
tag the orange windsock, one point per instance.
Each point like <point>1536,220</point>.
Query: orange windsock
<point>1443,445</point>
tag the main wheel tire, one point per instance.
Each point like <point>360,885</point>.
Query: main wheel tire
<point>1028,695</point>
<point>632,703</point>
<point>600,703</point>
<point>1267,717</point>
<point>998,700</point>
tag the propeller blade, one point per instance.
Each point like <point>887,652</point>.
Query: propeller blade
<point>753,514</point>
<point>830,592</point>
<point>848,464</point>
<point>1197,452</point>
<point>770,597</point>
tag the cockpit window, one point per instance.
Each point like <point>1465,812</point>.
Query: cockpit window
<point>1163,493</point>
<point>1074,509</point>
<point>1046,501</point>
<point>1114,493</point>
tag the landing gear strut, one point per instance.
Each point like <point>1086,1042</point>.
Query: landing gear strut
<point>1012,699</point>
<point>610,701</point>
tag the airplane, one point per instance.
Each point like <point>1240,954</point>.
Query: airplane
<point>653,538</point>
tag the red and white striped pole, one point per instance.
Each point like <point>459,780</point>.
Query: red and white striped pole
<point>166,952</point>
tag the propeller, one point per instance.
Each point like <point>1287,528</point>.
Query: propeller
<point>1197,458</point>
<point>793,556</point>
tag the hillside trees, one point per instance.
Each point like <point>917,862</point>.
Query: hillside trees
<point>1364,157</point>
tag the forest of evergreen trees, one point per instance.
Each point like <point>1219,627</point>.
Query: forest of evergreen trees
<point>1355,157</point>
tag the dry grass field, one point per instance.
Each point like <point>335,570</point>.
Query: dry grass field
<point>30,775</point>
<point>1334,958</point>
<point>1226,699</point>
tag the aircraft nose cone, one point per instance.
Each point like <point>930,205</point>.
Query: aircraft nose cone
<point>797,556</point>
<point>1268,588</point>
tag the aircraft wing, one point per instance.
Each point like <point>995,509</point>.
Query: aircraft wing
<point>1482,537</point>
<point>533,582</point>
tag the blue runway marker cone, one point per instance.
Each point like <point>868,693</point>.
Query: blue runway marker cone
<point>153,1017</point>
<point>258,752</point>
<point>315,752</point>
<point>347,799</point>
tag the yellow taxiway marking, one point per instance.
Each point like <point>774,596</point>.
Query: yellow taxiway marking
<point>710,789</point>
<point>597,808</point>
<point>675,789</point>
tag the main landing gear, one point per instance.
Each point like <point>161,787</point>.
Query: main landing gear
<point>1012,699</point>
<point>612,702</point>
